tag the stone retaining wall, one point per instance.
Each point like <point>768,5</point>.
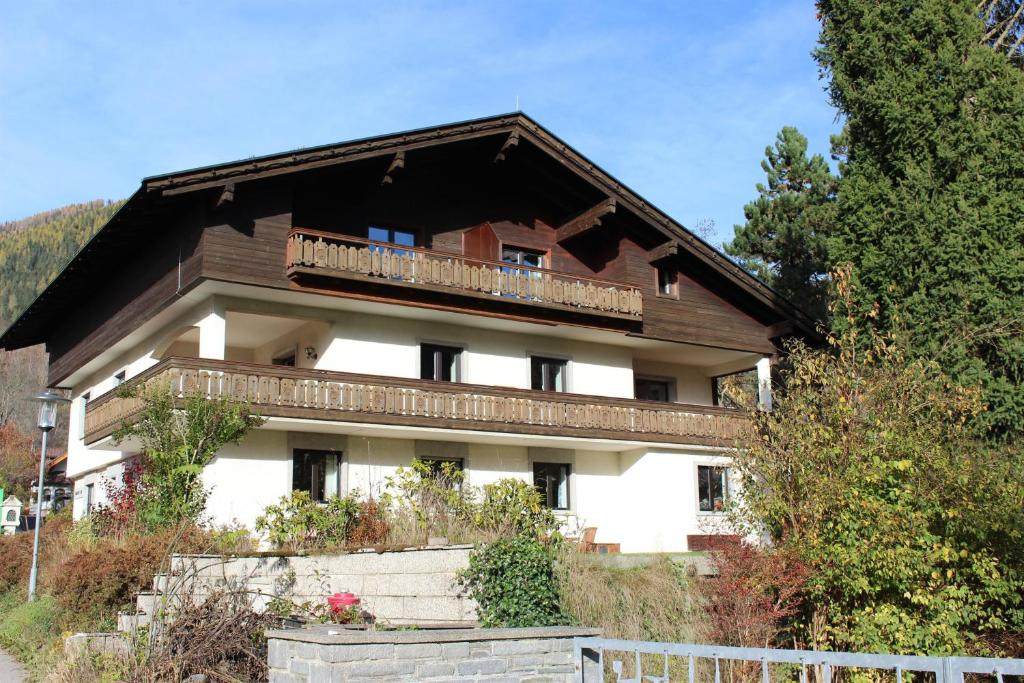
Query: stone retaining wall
<point>414,586</point>
<point>327,654</point>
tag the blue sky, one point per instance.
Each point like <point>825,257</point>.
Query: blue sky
<point>676,99</point>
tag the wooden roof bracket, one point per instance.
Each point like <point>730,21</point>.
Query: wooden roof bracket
<point>506,148</point>
<point>589,219</point>
<point>663,251</point>
<point>227,194</point>
<point>396,165</point>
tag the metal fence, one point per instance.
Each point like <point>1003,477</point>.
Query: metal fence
<point>652,663</point>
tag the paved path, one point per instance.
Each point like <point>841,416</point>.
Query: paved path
<point>10,670</point>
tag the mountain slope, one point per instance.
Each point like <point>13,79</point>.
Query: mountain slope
<point>34,249</point>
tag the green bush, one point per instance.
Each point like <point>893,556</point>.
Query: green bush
<point>298,522</point>
<point>513,581</point>
<point>511,507</point>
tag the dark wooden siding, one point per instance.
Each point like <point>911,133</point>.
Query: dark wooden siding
<point>138,278</point>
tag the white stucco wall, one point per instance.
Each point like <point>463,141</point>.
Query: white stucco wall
<point>645,500</point>
<point>244,479</point>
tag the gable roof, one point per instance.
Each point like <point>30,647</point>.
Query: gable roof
<point>29,327</point>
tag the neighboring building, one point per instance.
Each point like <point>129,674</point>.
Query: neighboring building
<point>478,292</point>
<point>57,489</point>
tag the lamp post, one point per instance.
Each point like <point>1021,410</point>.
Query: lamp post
<point>48,401</point>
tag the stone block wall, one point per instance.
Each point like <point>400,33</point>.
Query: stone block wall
<point>326,654</point>
<point>403,587</point>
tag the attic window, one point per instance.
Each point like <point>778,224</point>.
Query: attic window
<point>668,281</point>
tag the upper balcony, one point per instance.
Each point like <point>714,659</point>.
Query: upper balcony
<point>309,394</point>
<point>400,272</point>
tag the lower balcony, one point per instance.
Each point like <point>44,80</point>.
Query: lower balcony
<point>286,392</point>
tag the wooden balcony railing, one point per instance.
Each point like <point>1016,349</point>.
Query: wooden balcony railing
<point>327,254</point>
<point>343,397</point>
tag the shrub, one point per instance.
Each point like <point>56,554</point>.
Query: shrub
<point>297,522</point>
<point>180,436</point>
<point>118,516</point>
<point>513,581</point>
<point>94,583</point>
<point>756,593</point>
<point>371,527</point>
<point>16,551</point>
<point>425,500</point>
<point>511,506</point>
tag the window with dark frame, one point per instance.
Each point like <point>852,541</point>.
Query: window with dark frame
<point>712,488</point>
<point>379,233</point>
<point>89,489</point>
<point>647,389</point>
<point>523,257</point>
<point>441,363</point>
<point>445,470</point>
<point>547,374</point>
<point>285,359</point>
<point>318,473</point>
<point>119,378</point>
<point>552,482</point>
<point>668,281</point>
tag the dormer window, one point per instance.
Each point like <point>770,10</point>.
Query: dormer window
<point>523,257</point>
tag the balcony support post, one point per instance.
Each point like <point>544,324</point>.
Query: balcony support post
<point>764,383</point>
<point>213,332</point>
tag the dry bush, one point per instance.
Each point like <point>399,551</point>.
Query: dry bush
<point>95,582</point>
<point>16,550</point>
<point>371,527</point>
<point>652,602</point>
<point>221,636</point>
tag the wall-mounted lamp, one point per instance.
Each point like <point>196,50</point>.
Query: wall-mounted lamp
<point>311,353</point>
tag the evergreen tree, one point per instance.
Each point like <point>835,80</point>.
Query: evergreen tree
<point>929,208</point>
<point>784,241</point>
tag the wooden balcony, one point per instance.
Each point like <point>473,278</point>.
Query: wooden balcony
<point>343,397</point>
<point>313,254</point>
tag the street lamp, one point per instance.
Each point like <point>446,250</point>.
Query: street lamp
<point>48,401</point>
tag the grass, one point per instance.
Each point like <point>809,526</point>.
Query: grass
<point>31,631</point>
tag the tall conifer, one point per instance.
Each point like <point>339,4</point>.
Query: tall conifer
<point>931,206</point>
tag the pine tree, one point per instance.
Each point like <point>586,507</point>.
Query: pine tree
<point>784,241</point>
<point>929,207</point>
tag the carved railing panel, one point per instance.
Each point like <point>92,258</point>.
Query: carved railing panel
<point>342,256</point>
<point>323,395</point>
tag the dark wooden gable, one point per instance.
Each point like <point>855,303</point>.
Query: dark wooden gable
<point>487,183</point>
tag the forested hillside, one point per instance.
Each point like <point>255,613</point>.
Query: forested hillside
<point>34,249</point>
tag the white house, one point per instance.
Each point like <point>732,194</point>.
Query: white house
<point>476,292</point>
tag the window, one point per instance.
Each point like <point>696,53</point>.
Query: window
<point>743,386</point>
<point>547,374</point>
<point>284,359</point>
<point>89,489</point>
<point>668,281</point>
<point>119,378</point>
<point>81,415</point>
<point>522,257</point>
<point>446,471</point>
<point>317,473</point>
<point>647,389</point>
<point>381,234</point>
<point>712,488</point>
<point>552,481</point>
<point>440,363</point>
